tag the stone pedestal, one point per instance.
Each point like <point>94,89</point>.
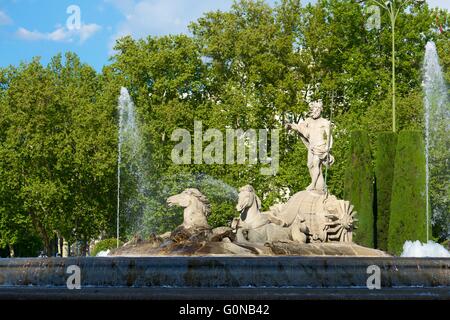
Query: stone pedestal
<point>225,277</point>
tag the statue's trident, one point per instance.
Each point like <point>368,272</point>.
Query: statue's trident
<point>325,187</point>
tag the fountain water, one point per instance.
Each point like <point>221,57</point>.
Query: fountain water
<point>437,116</point>
<point>130,163</point>
<point>137,198</point>
<point>119,163</point>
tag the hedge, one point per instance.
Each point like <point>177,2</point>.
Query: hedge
<point>408,204</point>
<point>359,187</point>
<point>384,157</point>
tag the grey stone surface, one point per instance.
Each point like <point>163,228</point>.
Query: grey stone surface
<point>227,272</point>
<point>220,233</point>
<point>325,249</point>
<point>209,294</point>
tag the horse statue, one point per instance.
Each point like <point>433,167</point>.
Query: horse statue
<point>196,208</point>
<point>306,217</point>
<point>261,227</point>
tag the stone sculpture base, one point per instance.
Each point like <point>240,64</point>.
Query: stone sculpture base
<point>225,278</point>
<point>205,248</point>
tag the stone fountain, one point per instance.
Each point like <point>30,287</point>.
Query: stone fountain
<point>311,223</point>
<point>301,249</point>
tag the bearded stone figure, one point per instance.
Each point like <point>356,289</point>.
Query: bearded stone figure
<point>315,133</point>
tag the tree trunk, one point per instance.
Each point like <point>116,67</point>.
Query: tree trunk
<point>11,251</point>
<point>84,248</point>
<point>43,233</point>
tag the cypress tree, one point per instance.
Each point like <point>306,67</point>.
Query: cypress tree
<point>408,204</point>
<point>385,148</point>
<point>358,186</point>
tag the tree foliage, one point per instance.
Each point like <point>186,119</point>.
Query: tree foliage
<point>56,152</point>
<point>384,157</point>
<point>408,206</point>
<point>359,187</point>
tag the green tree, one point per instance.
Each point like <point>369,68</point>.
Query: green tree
<point>56,152</point>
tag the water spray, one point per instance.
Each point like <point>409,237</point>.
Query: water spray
<point>119,163</point>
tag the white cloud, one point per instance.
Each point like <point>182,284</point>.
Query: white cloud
<point>159,17</point>
<point>151,17</point>
<point>4,18</point>
<point>88,30</point>
<point>25,34</point>
<point>60,34</point>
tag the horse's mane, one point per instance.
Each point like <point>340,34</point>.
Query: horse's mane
<point>202,198</point>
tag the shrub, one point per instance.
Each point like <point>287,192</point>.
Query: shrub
<point>385,148</point>
<point>408,204</point>
<point>104,245</point>
<point>358,186</point>
<point>446,244</point>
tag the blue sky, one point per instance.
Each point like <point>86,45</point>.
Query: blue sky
<point>38,27</point>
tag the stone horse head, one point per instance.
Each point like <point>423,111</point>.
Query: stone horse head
<point>249,206</point>
<point>196,208</point>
